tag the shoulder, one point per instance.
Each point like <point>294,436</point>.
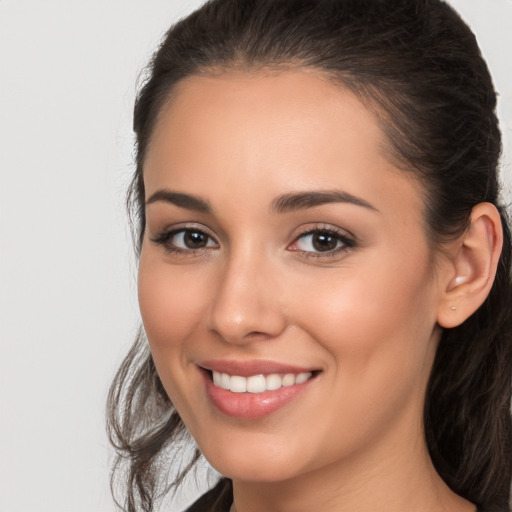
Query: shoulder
<point>217,499</point>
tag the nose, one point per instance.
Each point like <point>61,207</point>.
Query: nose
<point>247,305</point>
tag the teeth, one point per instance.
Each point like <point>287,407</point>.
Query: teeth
<point>258,383</point>
<point>289,379</point>
<point>224,381</point>
<point>302,377</point>
<point>237,384</point>
<point>273,382</point>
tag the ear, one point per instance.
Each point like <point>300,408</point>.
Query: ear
<point>471,267</point>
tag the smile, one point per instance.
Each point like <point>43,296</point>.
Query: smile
<point>258,383</point>
<point>251,390</point>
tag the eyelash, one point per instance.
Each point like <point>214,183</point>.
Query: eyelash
<point>165,238</point>
<point>347,242</point>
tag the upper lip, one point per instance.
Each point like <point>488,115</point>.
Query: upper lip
<point>255,367</point>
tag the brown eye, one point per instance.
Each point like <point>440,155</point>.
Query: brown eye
<point>194,239</point>
<point>324,242</point>
<point>185,239</point>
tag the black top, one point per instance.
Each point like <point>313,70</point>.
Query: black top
<point>220,498</point>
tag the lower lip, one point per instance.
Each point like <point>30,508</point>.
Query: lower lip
<point>251,405</point>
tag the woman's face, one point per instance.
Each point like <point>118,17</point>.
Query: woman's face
<point>283,252</point>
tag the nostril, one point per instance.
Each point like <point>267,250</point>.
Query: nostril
<point>256,334</point>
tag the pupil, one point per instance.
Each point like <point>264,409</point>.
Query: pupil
<point>195,240</point>
<point>324,242</point>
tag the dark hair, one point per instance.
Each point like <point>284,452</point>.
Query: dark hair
<point>417,65</point>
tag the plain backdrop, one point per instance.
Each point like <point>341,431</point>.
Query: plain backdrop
<point>68,307</point>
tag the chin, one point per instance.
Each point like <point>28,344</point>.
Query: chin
<point>254,465</point>
<point>245,471</point>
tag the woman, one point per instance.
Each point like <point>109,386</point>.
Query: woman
<point>324,272</point>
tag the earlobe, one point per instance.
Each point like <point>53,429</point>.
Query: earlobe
<point>472,266</point>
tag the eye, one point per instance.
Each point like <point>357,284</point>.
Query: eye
<point>320,241</point>
<point>191,239</point>
<point>185,239</point>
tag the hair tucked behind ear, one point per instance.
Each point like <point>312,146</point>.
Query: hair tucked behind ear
<point>418,66</point>
<point>467,411</point>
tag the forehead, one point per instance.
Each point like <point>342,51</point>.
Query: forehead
<point>285,106</point>
<point>247,131</point>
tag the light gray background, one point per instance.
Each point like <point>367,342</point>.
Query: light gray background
<point>68,307</point>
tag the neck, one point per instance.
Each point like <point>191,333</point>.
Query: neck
<point>386,479</point>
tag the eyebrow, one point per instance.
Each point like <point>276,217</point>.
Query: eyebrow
<point>282,204</point>
<point>310,199</point>
<point>180,199</point>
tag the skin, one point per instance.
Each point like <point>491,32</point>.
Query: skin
<point>366,315</point>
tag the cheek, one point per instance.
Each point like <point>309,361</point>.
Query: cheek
<point>171,309</point>
<point>380,318</point>
<point>376,330</point>
<point>169,303</point>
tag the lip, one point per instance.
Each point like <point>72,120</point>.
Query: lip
<point>249,368</point>
<point>252,406</point>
